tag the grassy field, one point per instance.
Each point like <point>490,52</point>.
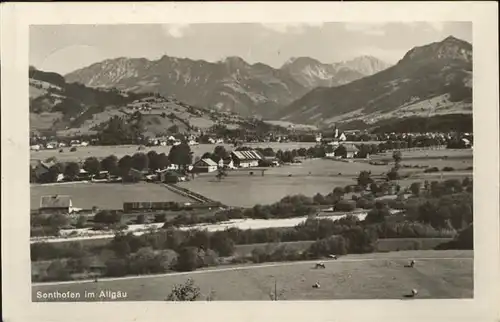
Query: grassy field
<point>308,178</point>
<point>382,245</point>
<point>429,154</point>
<point>104,195</point>
<point>437,275</point>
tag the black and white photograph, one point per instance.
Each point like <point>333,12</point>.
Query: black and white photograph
<point>198,161</point>
<point>251,161</point>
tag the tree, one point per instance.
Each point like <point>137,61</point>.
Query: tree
<point>222,244</point>
<point>338,192</point>
<point>377,215</point>
<point>141,219</point>
<point>188,259</point>
<point>184,292</point>
<point>153,160</point>
<point>415,188</point>
<point>81,221</point>
<point>364,178</point>
<point>72,170</point>
<point>162,161</point>
<point>393,174</point>
<point>374,188</point>
<point>341,151</point>
<point>140,161</point>
<point>220,152</point>
<point>221,173</point>
<point>124,165</point>
<point>181,155</point>
<point>92,166</point>
<point>110,164</point>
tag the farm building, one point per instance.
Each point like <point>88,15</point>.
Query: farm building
<point>352,150</point>
<point>246,159</point>
<point>347,151</point>
<point>136,175</point>
<point>42,169</point>
<point>55,204</point>
<point>169,176</point>
<point>205,165</point>
<point>150,205</point>
<point>226,163</point>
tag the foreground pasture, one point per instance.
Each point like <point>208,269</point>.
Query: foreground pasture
<point>436,275</point>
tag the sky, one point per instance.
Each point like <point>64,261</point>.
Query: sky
<point>65,48</point>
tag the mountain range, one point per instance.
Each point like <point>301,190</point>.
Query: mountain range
<point>231,84</point>
<point>429,80</point>
<point>67,109</point>
<point>435,79</point>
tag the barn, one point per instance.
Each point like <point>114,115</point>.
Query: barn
<point>246,159</point>
<point>205,165</point>
<point>53,204</point>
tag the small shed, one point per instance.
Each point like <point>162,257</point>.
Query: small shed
<point>55,204</point>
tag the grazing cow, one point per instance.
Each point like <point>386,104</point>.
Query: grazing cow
<point>320,265</point>
<point>412,263</point>
<point>333,256</point>
<point>316,285</point>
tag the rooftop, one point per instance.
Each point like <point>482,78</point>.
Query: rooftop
<point>55,201</point>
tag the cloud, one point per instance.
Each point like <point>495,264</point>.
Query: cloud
<point>175,30</point>
<point>438,26</point>
<point>374,29</point>
<point>291,27</point>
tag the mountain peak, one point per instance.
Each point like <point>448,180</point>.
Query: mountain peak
<point>234,60</point>
<point>301,61</point>
<point>449,48</point>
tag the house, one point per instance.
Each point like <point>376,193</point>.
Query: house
<point>246,159</point>
<point>205,165</point>
<point>171,176</point>
<point>227,163</point>
<point>42,168</point>
<point>137,175</point>
<point>351,150</point>
<point>84,175</point>
<point>35,147</point>
<point>103,175</point>
<point>60,204</point>
<point>51,145</point>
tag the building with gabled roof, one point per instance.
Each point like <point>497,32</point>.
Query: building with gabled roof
<point>205,165</point>
<point>60,204</point>
<point>246,159</point>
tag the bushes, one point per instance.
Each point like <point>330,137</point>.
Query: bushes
<point>411,230</point>
<point>448,169</point>
<point>73,149</point>
<point>332,245</point>
<point>430,170</point>
<point>345,205</point>
<point>365,203</point>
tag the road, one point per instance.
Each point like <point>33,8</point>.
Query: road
<point>250,267</point>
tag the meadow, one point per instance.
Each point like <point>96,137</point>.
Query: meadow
<point>312,176</point>
<point>436,275</point>
<point>104,195</point>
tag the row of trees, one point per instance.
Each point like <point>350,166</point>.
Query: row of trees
<point>180,155</point>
